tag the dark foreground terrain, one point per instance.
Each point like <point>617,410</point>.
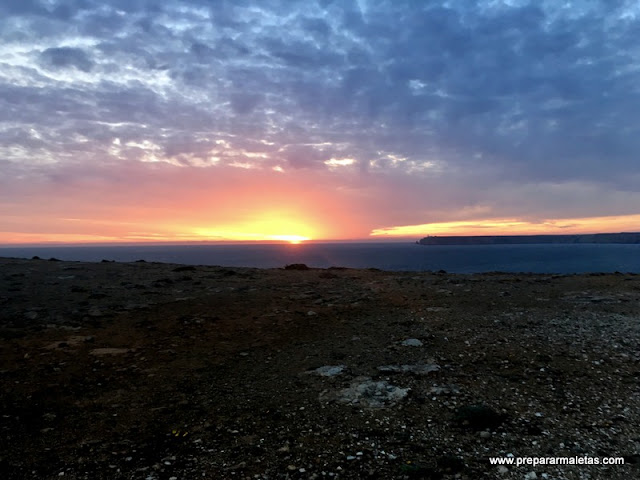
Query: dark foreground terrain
<point>157,372</point>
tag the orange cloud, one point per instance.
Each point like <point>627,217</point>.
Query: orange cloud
<point>502,226</point>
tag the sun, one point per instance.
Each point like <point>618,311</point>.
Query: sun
<point>292,239</point>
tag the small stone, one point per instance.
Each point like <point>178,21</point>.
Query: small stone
<point>531,476</point>
<point>292,468</point>
<point>485,434</point>
<point>412,342</point>
<point>502,469</point>
<point>329,370</point>
<point>311,313</point>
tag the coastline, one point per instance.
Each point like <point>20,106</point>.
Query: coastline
<point>622,238</point>
<point>149,370</point>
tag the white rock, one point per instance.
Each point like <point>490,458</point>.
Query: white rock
<point>367,393</point>
<point>531,476</point>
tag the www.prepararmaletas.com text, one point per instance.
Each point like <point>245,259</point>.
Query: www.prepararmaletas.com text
<point>576,460</point>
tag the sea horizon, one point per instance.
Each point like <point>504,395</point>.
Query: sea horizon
<point>388,256</point>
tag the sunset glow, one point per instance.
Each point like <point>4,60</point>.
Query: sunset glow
<point>266,228</point>
<point>183,121</point>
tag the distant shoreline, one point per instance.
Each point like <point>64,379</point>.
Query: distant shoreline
<point>603,238</point>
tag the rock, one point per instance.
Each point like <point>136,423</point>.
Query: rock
<point>485,434</point>
<point>444,390</point>
<point>412,342</point>
<point>365,392</point>
<point>311,313</point>
<point>502,470</point>
<point>450,464</point>
<point>531,476</point>
<point>109,351</point>
<point>296,266</point>
<point>421,369</point>
<point>31,315</point>
<point>184,268</point>
<point>329,370</point>
<point>479,417</point>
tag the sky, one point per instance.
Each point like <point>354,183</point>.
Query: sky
<point>196,120</point>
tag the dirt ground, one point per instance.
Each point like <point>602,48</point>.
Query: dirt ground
<point>165,372</point>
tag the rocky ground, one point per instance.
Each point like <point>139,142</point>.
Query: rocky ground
<point>158,372</point>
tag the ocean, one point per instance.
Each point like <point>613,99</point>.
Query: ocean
<point>561,259</point>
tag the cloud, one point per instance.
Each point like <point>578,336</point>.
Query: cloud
<point>442,106</point>
<point>66,57</point>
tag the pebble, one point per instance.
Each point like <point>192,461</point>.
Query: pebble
<point>485,434</point>
<point>531,476</point>
<point>502,469</point>
<point>412,342</point>
<point>329,370</point>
